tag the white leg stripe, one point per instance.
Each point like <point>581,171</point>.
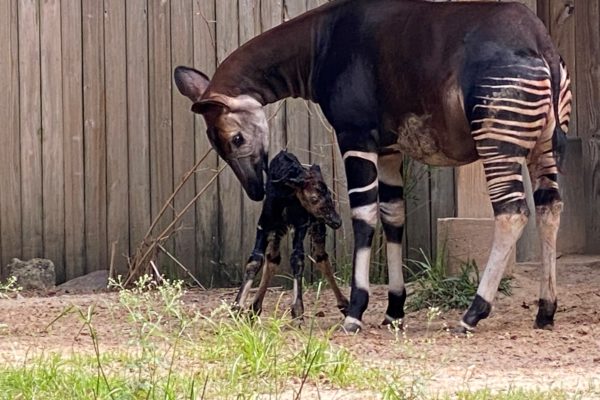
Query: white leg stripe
<point>361,154</point>
<point>393,212</point>
<point>361,272</point>
<point>245,292</point>
<point>467,326</point>
<point>366,213</point>
<point>364,188</point>
<point>506,232</point>
<point>394,257</point>
<point>295,292</point>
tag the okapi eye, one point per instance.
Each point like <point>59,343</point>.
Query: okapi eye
<point>238,140</point>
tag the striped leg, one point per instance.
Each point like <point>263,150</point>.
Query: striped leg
<point>253,266</point>
<point>391,211</point>
<point>511,107</point>
<point>548,205</point>
<point>273,260</point>
<point>318,235</point>
<point>297,264</point>
<point>361,173</point>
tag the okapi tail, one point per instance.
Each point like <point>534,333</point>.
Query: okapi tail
<point>562,109</point>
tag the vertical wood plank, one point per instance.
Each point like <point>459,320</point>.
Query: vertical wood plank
<point>207,209</point>
<point>560,21</point>
<point>161,136</point>
<point>472,200</point>
<point>95,135</point>
<point>138,120</point>
<point>249,27</point>
<point>30,121</point>
<point>587,15</point>
<point>418,211</point>
<point>52,136</point>
<point>10,149</point>
<point>443,195</point>
<point>117,174</point>
<point>182,53</point>
<point>72,109</point>
<point>230,191</point>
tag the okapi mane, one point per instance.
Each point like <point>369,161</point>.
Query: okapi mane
<point>284,167</point>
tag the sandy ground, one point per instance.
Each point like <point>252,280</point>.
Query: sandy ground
<point>505,351</point>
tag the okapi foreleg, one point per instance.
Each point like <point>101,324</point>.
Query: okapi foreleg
<point>273,259</point>
<point>361,173</point>
<point>391,211</point>
<point>321,258</point>
<point>253,266</point>
<point>297,264</point>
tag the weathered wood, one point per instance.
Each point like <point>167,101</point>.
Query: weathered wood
<point>52,136</point>
<point>443,200</point>
<point>72,102</point>
<point>161,135</point>
<point>558,15</point>
<point>418,211</point>
<point>230,196</point>
<point>207,209</point>
<point>571,236</point>
<point>95,135</point>
<point>587,15</point>
<point>10,179</point>
<point>117,178</point>
<point>138,120</point>
<point>249,27</point>
<point>30,122</point>
<point>466,240</point>
<point>183,131</point>
<point>472,200</point>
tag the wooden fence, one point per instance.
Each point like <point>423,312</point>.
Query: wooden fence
<point>96,135</point>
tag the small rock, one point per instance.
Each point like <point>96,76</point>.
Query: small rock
<point>94,281</point>
<point>37,273</point>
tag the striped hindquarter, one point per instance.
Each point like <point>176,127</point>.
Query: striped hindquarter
<point>514,121</point>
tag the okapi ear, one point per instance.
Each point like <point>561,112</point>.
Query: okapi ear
<point>190,82</point>
<point>209,106</point>
<point>316,170</point>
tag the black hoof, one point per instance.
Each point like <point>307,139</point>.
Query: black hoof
<point>463,329</point>
<point>394,324</point>
<point>351,327</point>
<point>545,326</point>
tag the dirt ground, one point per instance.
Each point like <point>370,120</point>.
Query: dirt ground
<point>505,351</point>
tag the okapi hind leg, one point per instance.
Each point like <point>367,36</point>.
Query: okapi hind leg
<point>321,258</point>
<point>548,207</point>
<point>297,264</point>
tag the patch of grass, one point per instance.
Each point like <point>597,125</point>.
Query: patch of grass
<point>520,394</point>
<point>9,287</point>
<point>434,288</point>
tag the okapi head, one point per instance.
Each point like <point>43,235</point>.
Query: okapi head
<point>236,127</point>
<point>308,186</point>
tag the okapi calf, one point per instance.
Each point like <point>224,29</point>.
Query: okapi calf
<point>297,198</point>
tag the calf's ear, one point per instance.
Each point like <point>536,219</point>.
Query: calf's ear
<point>190,82</point>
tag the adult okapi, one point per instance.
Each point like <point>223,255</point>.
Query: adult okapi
<point>443,83</point>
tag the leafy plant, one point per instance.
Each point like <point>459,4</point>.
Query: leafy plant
<point>434,288</point>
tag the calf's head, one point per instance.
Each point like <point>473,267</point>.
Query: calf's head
<point>314,195</point>
<point>237,128</point>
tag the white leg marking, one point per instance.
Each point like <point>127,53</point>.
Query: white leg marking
<point>361,154</point>
<point>366,213</point>
<point>361,266</point>
<point>393,212</point>
<point>548,222</point>
<point>295,292</point>
<point>245,291</point>
<point>506,233</point>
<point>364,188</point>
<point>394,258</point>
